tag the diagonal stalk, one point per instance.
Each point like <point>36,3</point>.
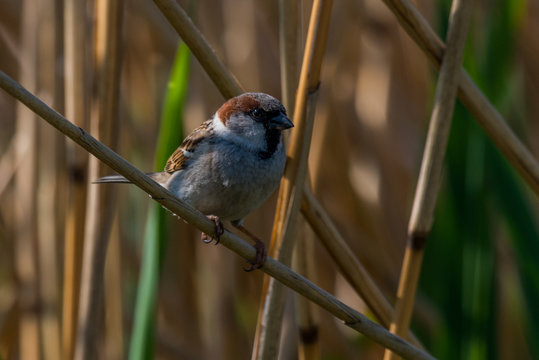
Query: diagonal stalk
<point>431,167</point>
<point>471,96</point>
<point>350,267</point>
<point>214,67</point>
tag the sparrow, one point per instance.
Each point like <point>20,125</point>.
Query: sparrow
<point>228,166</point>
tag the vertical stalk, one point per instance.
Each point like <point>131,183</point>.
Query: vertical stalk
<point>289,42</point>
<point>114,346</point>
<point>100,198</point>
<point>307,318</point>
<point>25,244</point>
<point>49,198</point>
<point>76,109</point>
<point>431,167</point>
<point>291,191</point>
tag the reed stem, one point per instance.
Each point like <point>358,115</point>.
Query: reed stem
<point>431,167</point>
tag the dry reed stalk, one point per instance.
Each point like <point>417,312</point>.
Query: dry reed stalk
<point>114,345</point>
<point>298,283</point>
<point>25,206</point>
<point>76,108</point>
<point>351,268</point>
<point>49,164</point>
<point>291,189</point>
<point>307,315</point>
<point>48,242</point>
<point>100,203</point>
<point>309,82</point>
<point>61,183</point>
<point>289,42</point>
<point>430,174</point>
<point>216,70</point>
<point>471,96</point>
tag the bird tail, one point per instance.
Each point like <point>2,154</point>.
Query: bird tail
<point>111,179</point>
<point>157,176</point>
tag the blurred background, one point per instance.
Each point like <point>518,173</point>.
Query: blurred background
<point>479,287</point>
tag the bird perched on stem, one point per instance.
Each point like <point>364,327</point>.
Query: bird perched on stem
<point>228,166</point>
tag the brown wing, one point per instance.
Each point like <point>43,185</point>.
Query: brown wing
<point>177,160</point>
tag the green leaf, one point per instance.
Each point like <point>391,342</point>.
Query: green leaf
<point>170,135</point>
<point>481,196</point>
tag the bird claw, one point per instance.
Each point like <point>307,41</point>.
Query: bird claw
<point>260,259</point>
<point>219,230</point>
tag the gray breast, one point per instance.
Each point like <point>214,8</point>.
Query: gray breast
<point>229,184</point>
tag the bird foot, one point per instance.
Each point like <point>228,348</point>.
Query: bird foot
<point>219,230</point>
<point>260,259</point>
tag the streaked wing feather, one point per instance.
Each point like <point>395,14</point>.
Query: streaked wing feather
<point>178,160</point>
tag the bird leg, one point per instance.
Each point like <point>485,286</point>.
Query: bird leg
<point>260,247</point>
<point>219,230</point>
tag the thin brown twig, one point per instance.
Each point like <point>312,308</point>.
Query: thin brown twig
<point>471,96</point>
<point>298,283</point>
<point>431,167</point>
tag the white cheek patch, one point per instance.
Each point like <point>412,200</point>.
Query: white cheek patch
<point>218,125</point>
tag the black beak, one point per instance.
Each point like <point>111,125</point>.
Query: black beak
<point>280,122</point>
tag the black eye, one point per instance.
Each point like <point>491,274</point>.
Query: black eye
<point>258,113</point>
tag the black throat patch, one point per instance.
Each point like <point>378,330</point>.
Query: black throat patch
<point>272,137</point>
